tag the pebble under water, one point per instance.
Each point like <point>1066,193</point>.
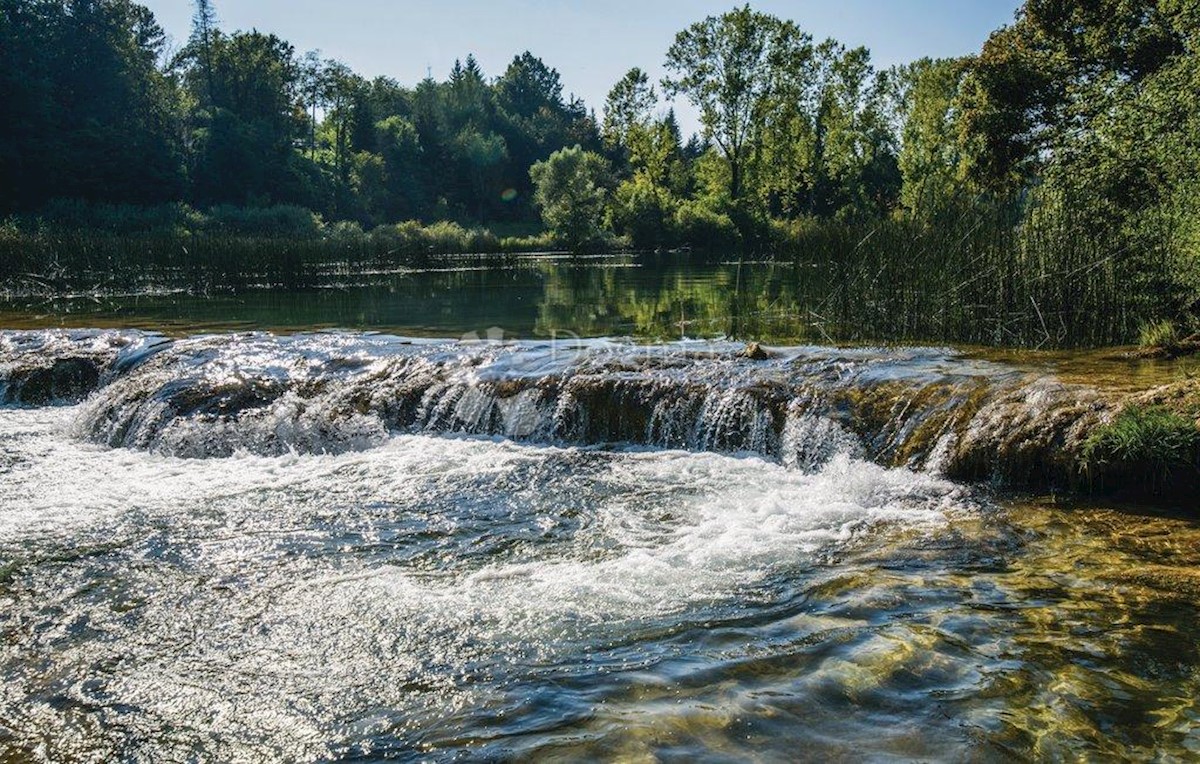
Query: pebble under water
<point>355,548</point>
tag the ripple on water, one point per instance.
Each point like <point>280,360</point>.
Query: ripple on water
<point>435,596</point>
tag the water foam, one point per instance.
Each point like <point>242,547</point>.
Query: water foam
<point>270,605</point>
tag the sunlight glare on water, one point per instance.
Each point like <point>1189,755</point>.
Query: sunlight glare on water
<point>429,593</point>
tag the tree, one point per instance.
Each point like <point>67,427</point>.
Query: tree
<point>855,153</point>
<point>314,94</point>
<point>204,24</point>
<point>534,119</point>
<point>571,187</point>
<point>88,112</point>
<point>730,67</point>
<point>389,182</point>
<point>248,122</point>
<point>629,106</point>
<point>1041,82</point>
<point>924,95</point>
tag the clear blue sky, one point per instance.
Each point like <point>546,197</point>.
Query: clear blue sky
<point>590,43</point>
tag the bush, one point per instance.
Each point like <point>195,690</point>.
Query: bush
<point>283,220</point>
<point>571,189</point>
<point>542,242</point>
<point>444,237</point>
<point>700,226</point>
<point>345,231</point>
<point>124,219</point>
<point>644,213</point>
<point>1158,335</point>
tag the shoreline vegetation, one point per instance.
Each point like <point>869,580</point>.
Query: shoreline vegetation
<point>1039,193</point>
<point>970,278</point>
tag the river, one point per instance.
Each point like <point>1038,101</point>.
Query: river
<point>235,545</point>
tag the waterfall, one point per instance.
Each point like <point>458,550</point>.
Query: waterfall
<point>213,396</point>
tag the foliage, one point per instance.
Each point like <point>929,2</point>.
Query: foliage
<point>925,94</point>
<point>572,188</point>
<point>643,212</point>
<point>1158,334</point>
<point>281,220</point>
<point>732,67</point>
<point>88,113</point>
<point>706,228</point>
<point>1041,192</point>
<point>126,219</point>
<point>440,238</point>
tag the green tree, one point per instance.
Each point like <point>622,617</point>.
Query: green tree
<point>535,119</point>
<point>247,124</point>
<point>854,153</point>
<point>730,67</point>
<point>628,108</point>
<point>389,182</point>
<point>925,94</point>
<point>571,188</point>
<point>88,112</point>
<point>1042,81</point>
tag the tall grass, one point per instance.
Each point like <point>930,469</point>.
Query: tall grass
<point>76,246</point>
<point>1032,273</point>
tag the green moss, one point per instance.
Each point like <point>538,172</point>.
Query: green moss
<point>1151,445</point>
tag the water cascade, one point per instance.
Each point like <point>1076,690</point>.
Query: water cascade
<point>213,396</point>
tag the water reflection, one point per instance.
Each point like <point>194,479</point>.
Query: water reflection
<point>650,298</point>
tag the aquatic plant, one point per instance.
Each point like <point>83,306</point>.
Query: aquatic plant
<point>1158,335</point>
<point>1143,444</point>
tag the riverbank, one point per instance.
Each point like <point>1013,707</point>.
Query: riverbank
<point>976,277</point>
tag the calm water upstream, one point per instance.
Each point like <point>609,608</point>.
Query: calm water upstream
<point>528,297</point>
<point>353,546</point>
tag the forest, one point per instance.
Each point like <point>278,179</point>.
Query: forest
<point>1041,192</point>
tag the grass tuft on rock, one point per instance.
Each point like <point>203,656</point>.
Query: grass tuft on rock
<point>1147,446</point>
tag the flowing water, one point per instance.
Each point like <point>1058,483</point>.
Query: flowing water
<point>478,537</point>
<point>238,547</point>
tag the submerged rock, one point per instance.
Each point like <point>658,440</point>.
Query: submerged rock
<point>49,367</point>
<point>755,352</point>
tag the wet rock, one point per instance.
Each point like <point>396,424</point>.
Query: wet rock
<point>755,352</point>
<point>67,380</point>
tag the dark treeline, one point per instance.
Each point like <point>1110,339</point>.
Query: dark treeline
<point>1041,191</point>
<point>101,110</point>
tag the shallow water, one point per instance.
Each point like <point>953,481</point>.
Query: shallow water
<point>340,546</point>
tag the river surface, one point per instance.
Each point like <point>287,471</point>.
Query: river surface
<point>534,296</point>
<point>354,546</point>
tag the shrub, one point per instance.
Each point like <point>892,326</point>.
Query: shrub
<point>542,242</point>
<point>443,237</point>
<point>345,231</point>
<point>283,220</point>
<point>125,219</point>
<point>571,189</point>
<point>643,212</point>
<point>1158,334</point>
<point>704,228</point>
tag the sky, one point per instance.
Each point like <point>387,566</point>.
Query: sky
<point>592,44</point>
